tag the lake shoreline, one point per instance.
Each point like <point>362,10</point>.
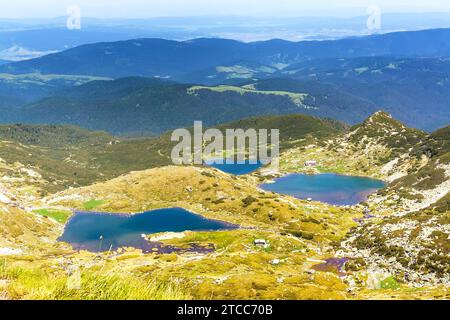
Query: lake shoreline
<point>91,231</point>
<point>320,188</point>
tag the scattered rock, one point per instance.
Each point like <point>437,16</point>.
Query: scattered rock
<point>9,251</point>
<point>275,262</point>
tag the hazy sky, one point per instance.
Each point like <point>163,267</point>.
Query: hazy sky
<point>158,8</point>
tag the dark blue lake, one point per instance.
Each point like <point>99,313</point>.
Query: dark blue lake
<point>235,168</point>
<point>329,188</point>
<point>103,231</point>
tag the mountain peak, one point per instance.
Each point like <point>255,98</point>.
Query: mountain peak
<point>382,129</point>
<point>382,120</point>
<point>380,116</point>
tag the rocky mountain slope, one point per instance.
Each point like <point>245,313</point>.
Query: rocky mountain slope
<point>414,163</point>
<point>413,247</point>
<point>393,246</point>
<point>421,175</point>
<point>405,236</point>
<point>368,149</point>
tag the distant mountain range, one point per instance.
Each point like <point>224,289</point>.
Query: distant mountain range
<point>402,87</point>
<point>147,106</point>
<point>177,60</point>
<point>17,90</point>
<point>41,35</point>
<point>404,73</point>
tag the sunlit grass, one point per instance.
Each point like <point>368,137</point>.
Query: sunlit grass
<point>38,284</point>
<point>296,98</point>
<point>59,215</point>
<point>92,204</point>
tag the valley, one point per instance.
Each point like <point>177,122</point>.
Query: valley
<point>92,206</point>
<point>156,85</point>
<point>297,235</point>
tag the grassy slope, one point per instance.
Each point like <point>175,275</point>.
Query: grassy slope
<point>294,129</point>
<point>52,135</point>
<point>45,283</point>
<point>38,267</point>
<point>299,232</point>
<point>25,231</point>
<point>296,230</point>
<point>300,235</point>
<point>67,156</point>
<point>297,98</point>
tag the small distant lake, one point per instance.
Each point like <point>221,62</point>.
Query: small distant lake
<point>328,188</point>
<point>98,232</point>
<point>235,168</point>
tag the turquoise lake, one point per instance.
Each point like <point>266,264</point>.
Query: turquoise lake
<point>328,188</point>
<point>99,232</point>
<point>235,168</point>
